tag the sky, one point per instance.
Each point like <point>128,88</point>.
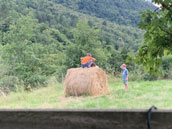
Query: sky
<point>153,3</point>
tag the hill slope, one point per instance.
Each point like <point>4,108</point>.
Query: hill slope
<point>125,12</point>
<point>65,19</point>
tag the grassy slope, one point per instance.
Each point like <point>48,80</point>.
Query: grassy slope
<point>141,95</point>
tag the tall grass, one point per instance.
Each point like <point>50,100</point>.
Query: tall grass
<point>141,95</point>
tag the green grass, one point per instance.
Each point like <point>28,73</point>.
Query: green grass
<point>141,95</point>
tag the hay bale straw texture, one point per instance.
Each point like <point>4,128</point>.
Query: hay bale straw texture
<point>85,81</point>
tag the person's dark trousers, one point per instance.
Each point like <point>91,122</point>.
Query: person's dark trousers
<point>88,65</point>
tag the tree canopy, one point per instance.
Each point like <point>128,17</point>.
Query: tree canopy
<point>158,36</point>
<point>123,12</point>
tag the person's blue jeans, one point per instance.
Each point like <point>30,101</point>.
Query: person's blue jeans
<point>88,65</point>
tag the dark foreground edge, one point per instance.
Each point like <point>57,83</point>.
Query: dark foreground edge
<point>83,119</point>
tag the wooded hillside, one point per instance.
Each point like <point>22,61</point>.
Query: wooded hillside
<point>43,38</point>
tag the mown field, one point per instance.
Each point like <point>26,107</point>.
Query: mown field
<point>141,95</point>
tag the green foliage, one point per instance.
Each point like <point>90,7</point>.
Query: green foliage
<point>28,59</point>
<point>85,41</point>
<point>158,36</point>
<point>122,12</point>
<point>139,73</point>
<point>64,19</point>
<point>167,66</point>
<point>9,83</point>
<point>115,59</point>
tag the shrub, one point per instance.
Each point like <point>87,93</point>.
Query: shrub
<point>167,66</point>
<point>9,83</point>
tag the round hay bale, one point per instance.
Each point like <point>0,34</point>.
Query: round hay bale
<point>85,81</point>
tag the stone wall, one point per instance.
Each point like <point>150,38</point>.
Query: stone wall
<point>83,119</point>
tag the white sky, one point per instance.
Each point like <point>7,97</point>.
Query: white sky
<point>153,3</point>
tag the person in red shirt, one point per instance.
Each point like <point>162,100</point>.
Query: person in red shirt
<point>87,61</point>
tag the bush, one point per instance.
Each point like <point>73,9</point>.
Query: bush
<point>140,73</point>
<point>9,83</point>
<point>167,66</point>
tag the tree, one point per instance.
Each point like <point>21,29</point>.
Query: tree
<point>7,17</point>
<point>28,57</point>
<point>85,41</point>
<point>158,36</point>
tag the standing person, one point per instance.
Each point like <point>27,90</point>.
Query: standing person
<point>125,75</point>
<point>87,61</point>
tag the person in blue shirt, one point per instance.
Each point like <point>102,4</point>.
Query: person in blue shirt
<point>125,75</point>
